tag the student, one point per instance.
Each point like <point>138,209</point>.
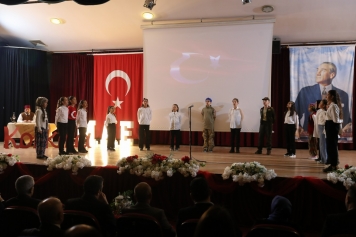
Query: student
<point>175,120</point>
<point>72,114</point>
<point>319,128</point>
<point>61,121</point>
<point>144,117</point>
<point>82,124</point>
<point>235,116</point>
<point>266,126</point>
<point>334,118</point>
<point>41,129</point>
<point>110,124</point>
<point>209,116</point>
<point>291,125</point>
<point>312,143</point>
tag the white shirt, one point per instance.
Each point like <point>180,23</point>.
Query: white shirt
<point>81,119</point>
<point>291,119</point>
<point>319,119</point>
<point>236,116</point>
<point>61,115</point>
<point>144,115</point>
<point>333,113</point>
<point>175,120</point>
<point>110,119</point>
<point>20,119</point>
<point>40,123</point>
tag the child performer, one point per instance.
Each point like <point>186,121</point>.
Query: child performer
<point>72,114</point>
<point>82,124</point>
<point>144,117</point>
<point>291,124</point>
<point>209,116</point>
<point>110,124</point>
<point>61,121</point>
<point>312,143</point>
<point>41,129</point>
<point>235,116</point>
<point>175,120</point>
<point>334,119</point>
<point>319,128</point>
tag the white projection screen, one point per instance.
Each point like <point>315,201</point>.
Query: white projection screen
<point>185,65</point>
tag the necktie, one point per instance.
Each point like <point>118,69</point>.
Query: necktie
<point>323,94</point>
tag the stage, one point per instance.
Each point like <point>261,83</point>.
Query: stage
<point>215,161</point>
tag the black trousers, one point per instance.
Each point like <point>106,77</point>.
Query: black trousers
<point>111,135</point>
<point>70,137</point>
<point>62,131</point>
<point>265,131</point>
<point>235,135</point>
<point>332,132</point>
<point>82,135</point>
<point>144,136</point>
<point>290,137</point>
<point>175,134</point>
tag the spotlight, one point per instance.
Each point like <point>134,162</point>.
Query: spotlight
<point>149,4</point>
<point>246,1</point>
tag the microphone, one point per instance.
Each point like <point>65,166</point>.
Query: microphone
<point>191,106</point>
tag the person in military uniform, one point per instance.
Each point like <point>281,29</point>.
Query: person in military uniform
<point>266,125</point>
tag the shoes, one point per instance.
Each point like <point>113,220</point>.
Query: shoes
<point>61,153</point>
<point>313,158</point>
<point>205,150</point>
<point>258,152</point>
<point>232,151</point>
<point>171,149</point>
<point>83,151</point>
<point>40,157</point>
<point>317,160</point>
<point>287,154</point>
<point>293,156</point>
<point>45,157</point>
<point>177,149</point>
<point>141,149</point>
<point>269,152</point>
<point>329,169</point>
<point>112,149</point>
<point>238,151</point>
<point>210,151</point>
<point>148,149</point>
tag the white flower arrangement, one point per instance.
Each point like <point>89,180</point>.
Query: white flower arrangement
<point>122,201</point>
<point>157,166</point>
<point>7,160</point>
<point>347,176</point>
<point>248,172</point>
<point>67,162</point>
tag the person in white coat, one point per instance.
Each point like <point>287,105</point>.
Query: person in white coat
<point>175,121</point>
<point>235,116</point>
<point>144,117</point>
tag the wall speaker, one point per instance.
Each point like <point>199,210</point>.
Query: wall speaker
<point>276,46</point>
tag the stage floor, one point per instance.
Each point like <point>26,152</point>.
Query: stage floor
<point>215,161</point>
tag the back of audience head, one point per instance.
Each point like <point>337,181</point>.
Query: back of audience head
<point>350,199</point>
<point>82,231</point>
<point>143,192</point>
<point>216,221</point>
<point>24,185</point>
<point>50,211</point>
<point>199,190</point>
<point>281,209</point>
<point>93,184</point>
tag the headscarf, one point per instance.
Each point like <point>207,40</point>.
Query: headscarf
<point>281,209</point>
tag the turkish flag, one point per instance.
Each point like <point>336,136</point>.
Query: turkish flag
<point>118,80</point>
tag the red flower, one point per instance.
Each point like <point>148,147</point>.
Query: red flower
<point>9,155</point>
<point>131,158</point>
<point>185,159</point>
<point>347,166</point>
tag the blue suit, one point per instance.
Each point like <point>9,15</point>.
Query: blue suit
<point>310,94</point>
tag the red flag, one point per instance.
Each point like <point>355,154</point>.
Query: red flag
<point>118,79</point>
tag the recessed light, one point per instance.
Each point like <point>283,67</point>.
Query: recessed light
<point>57,21</point>
<point>147,15</point>
<point>267,9</point>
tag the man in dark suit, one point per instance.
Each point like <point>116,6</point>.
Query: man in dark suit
<point>143,196</point>
<point>343,223</point>
<point>94,201</point>
<point>50,212</point>
<point>24,186</point>
<point>310,94</point>
<point>82,231</point>
<point>266,126</point>
<point>200,193</point>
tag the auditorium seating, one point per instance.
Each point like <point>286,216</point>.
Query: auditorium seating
<point>17,218</point>
<point>188,227</point>
<point>133,224</point>
<point>263,230</point>
<point>72,218</point>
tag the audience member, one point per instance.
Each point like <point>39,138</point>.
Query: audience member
<point>50,212</point>
<point>200,193</point>
<point>143,195</point>
<point>82,231</point>
<point>342,223</point>
<point>24,186</point>
<point>94,201</point>
<point>216,221</point>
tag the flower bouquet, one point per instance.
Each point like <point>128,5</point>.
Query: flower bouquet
<point>347,176</point>
<point>248,172</point>
<point>157,166</point>
<point>122,201</point>
<point>67,162</point>
<point>7,160</point>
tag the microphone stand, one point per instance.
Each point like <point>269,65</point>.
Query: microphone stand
<point>190,131</point>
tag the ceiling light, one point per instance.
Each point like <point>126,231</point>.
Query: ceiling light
<point>149,4</point>
<point>147,15</point>
<point>267,9</point>
<point>57,21</point>
<point>246,1</point>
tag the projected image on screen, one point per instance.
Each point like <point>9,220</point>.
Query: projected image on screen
<point>187,65</point>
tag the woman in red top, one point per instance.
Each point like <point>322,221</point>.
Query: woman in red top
<point>72,115</point>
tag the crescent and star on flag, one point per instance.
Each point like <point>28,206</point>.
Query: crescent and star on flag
<point>117,74</point>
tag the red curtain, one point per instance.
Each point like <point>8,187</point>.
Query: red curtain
<point>71,75</point>
<point>117,78</point>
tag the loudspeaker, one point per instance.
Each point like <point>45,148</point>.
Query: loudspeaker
<point>276,46</point>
